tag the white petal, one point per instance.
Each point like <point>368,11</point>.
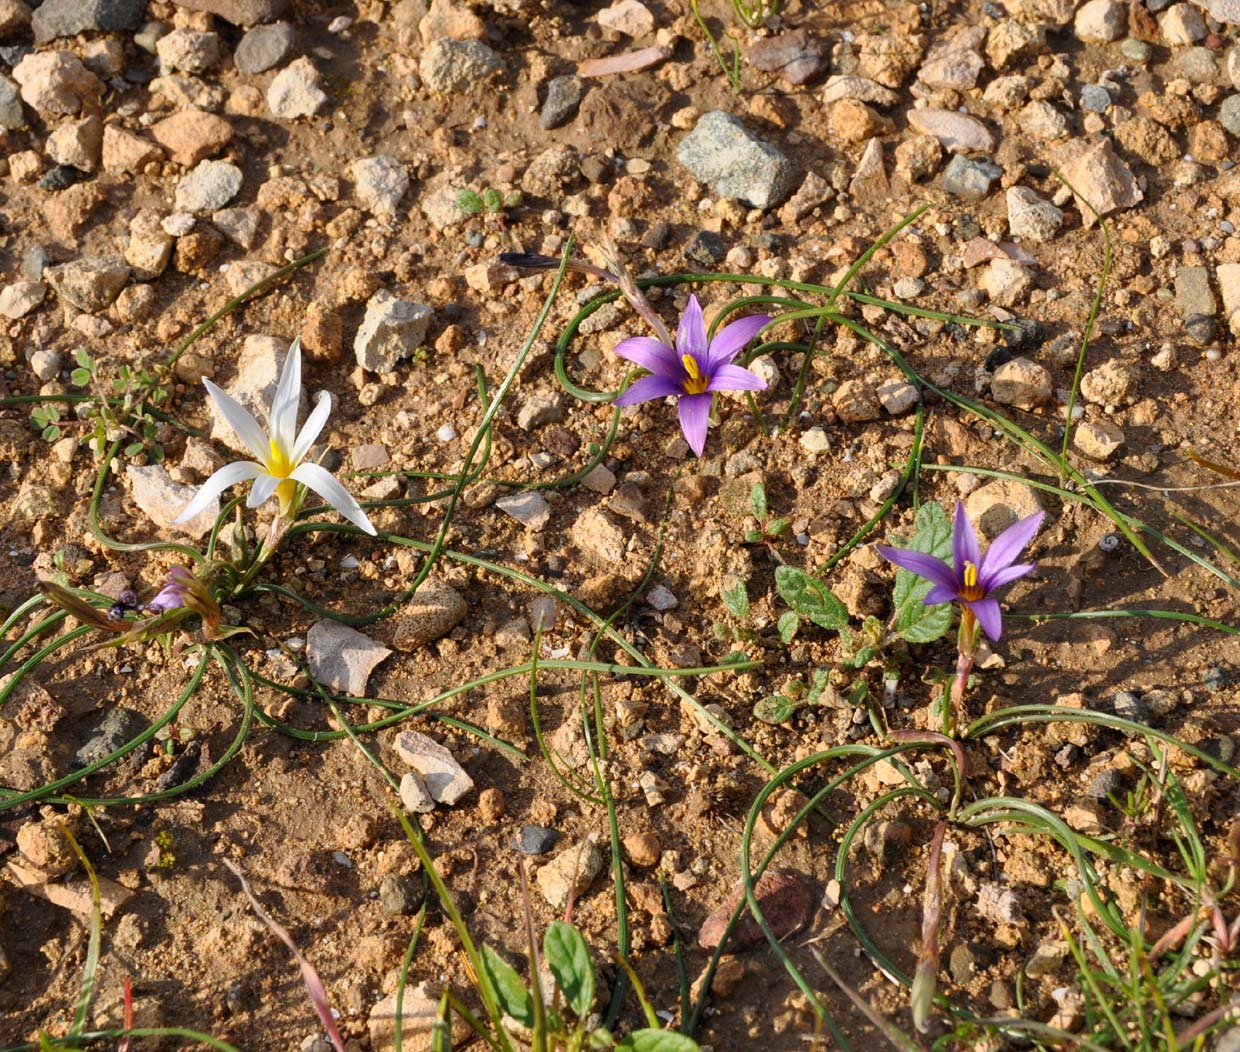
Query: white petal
<point>287,400</point>
<point>249,430</point>
<point>228,475</point>
<point>313,426</point>
<point>264,489</point>
<point>321,481</point>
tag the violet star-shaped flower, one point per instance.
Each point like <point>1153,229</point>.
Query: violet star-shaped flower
<point>972,579</point>
<point>694,369</point>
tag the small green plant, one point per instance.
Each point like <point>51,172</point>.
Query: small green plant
<point>46,419</point>
<point>768,528</point>
<point>489,202</point>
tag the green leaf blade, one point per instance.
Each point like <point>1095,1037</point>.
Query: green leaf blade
<point>568,957</point>
<point>657,1041</point>
<point>916,622</point>
<point>514,999</point>
<point>810,598</point>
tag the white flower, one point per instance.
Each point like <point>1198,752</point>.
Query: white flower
<point>279,462</point>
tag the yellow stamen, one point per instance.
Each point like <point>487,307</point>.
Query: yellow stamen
<point>278,463</point>
<point>696,383</point>
<point>971,591</point>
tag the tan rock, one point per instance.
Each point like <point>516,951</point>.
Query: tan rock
<point>191,135</point>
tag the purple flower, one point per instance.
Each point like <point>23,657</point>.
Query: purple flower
<point>972,579</point>
<point>178,587</point>
<point>694,370</point>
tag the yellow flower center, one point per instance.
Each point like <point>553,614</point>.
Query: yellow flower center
<point>278,463</point>
<point>695,383</point>
<point>971,591</point>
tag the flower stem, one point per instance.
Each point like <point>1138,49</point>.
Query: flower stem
<point>966,651</point>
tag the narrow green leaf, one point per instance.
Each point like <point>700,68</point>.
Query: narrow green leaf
<point>811,598</point>
<point>788,623</point>
<point>568,957</point>
<point>514,998</point>
<point>657,1041</point>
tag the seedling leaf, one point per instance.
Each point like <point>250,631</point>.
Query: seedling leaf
<point>510,991</point>
<point>811,598</point>
<point>568,957</point>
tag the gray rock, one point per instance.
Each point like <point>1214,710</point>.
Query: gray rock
<point>563,97</point>
<point>540,409</point>
<point>897,396</point>
<point>208,186</point>
<point>529,508</point>
<point>706,248</point>
<point>114,730</point>
<point>1226,11</point>
<point>1095,98</point>
<point>968,179</point>
<point>20,298</point>
<point>161,500</point>
<point>537,840</point>
<point>1197,64</point>
<point>851,87</point>
<point>68,18</point>
<point>1229,114</point>
<point>1128,706</point>
<point>449,66</point>
<point>240,225</point>
<point>264,48</point>
<point>90,284</point>
<point>551,171</point>
<point>569,875</point>
<point>391,330</point>
<point>1031,217</point>
<point>341,658</point>
<point>380,182</point>
<point>796,56</point>
<point>296,91</point>
<point>1193,294</point>
<point>723,153</point>
<point>12,116</point>
<point>446,779</point>
<point>45,364</point>
<point>1101,22</point>
<point>1136,50</point>
<point>414,796</point>
<point>435,609</point>
<point>400,896</point>
<point>239,12</point>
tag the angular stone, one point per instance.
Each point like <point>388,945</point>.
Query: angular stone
<point>1005,281</point>
<point>992,508</point>
<point>20,298</point>
<point>56,82</point>
<point>209,186</point>
<point>161,500</point>
<point>869,184</point>
<point>453,20</point>
<point>1098,176</point>
<point>795,56</point>
<point>446,780</point>
<point>188,51</point>
<point>451,66</point>
<point>1111,384</point>
<point>68,18</point>
<point>391,330</point>
<point>955,63</point>
<point>598,538</point>
<point>721,152</point>
<point>856,402</point>
<point>419,1012</point>
<point>414,796</point>
<point>529,508</point>
<point>563,98</point>
<point>968,179</point>
<point>1193,294</point>
<point>123,151</point>
<point>240,225</point>
<point>1097,439</point>
<point>191,135</point>
<point>90,284</point>
<point>569,875</point>
<point>849,87</point>
<point>629,17</point>
<point>12,116</point>
<point>77,143</point>
<point>296,91</point>
<point>1100,22</point>
<point>897,396</point>
<point>1031,217</point>
<point>958,132</point>
<point>341,658</point>
<point>239,12</point>
<point>787,903</point>
<point>150,246</point>
<point>435,609</point>
<point>1022,383</point>
<point>381,182</point>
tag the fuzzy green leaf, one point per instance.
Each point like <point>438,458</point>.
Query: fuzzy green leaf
<point>788,623</point>
<point>492,200</point>
<point>757,501</point>
<point>568,957</point>
<point>80,377</point>
<point>469,202</point>
<point>657,1041</point>
<point>775,708</point>
<point>810,597</point>
<point>736,599</point>
<point>915,621</point>
<point>514,999</point>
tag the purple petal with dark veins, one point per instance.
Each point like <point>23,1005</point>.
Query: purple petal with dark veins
<point>964,542</point>
<point>936,571</point>
<point>1007,547</point>
<point>695,419</point>
<point>1005,576</point>
<point>648,388</point>
<point>691,333</point>
<point>734,378</point>
<point>652,355</point>
<point>729,340</point>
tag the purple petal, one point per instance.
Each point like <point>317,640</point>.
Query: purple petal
<point>1005,576</point>
<point>1008,545</point>
<point>989,616</point>
<point>964,542</point>
<point>734,378</point>
<point>648,388</point>
<point>651,355</point>
<point>691,334</point>
<point>936,571</point>
<point>941,593</point>
<point>731,338</point>
<point>695,419</point>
